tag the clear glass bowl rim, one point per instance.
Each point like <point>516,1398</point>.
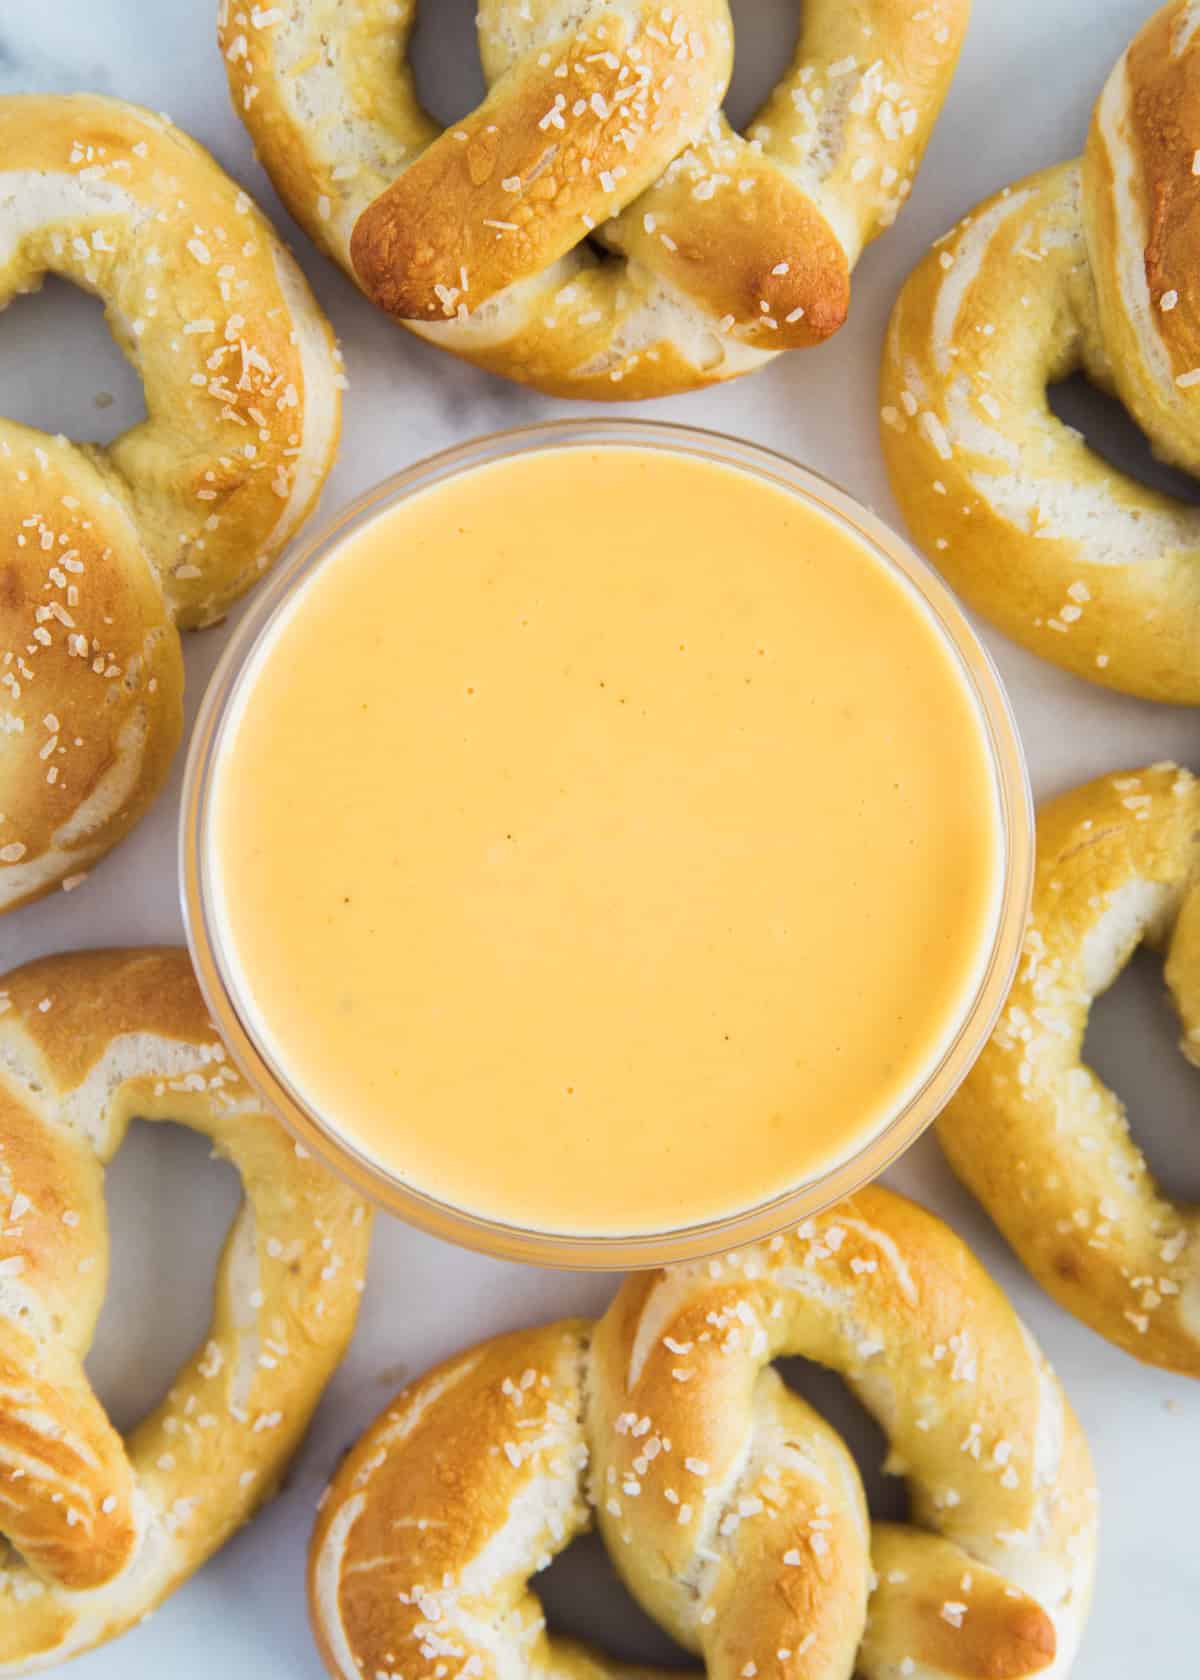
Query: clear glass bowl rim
<point>612,1252</point>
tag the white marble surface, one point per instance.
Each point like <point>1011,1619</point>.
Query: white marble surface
<point>1030,72</point>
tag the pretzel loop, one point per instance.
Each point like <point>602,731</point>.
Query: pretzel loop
<point>733,1512</point>
<point>1085,266</point>
<point>1034,1132</point>
<point>102,1529</point>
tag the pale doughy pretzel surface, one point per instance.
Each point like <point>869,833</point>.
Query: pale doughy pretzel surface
<point>1088,265</point>
<point>1042,1142</point>
<point>733,1512</point>
<point>105,551</point>
<point>711,252</point>
<point>101,1529</point>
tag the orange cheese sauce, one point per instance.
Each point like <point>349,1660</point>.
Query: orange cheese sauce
<point>605,841</point>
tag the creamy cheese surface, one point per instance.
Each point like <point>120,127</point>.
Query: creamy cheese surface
<point>605,840</point>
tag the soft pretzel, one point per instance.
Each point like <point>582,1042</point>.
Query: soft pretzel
<point>596,228</point>
<point>102,1529</point>
<point>103,551</point>
<point>1033,1132</point>
<point>1087,265</point>
<point>734,1513</point>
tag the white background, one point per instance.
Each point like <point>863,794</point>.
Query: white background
<point>1030,72</point>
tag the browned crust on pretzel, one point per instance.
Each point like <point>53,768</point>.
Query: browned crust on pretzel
<point>1001,1131</point>
<point>1164,133</point>
<point>757,254</point>
<point>95,996</point>
<point>74,1445</point>
<point>97,682</point>
<point>1008,1634</point>
<point>450,213</point>
<point>446,1432</point>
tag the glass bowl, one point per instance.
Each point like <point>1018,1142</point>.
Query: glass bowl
<point>465,1226</point>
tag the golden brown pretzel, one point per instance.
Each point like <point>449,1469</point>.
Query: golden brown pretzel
<point>1089,265</point>
<point>1032,1131</point>
<point>711,252</point>
<point>104,551</point>
<point>101,1529</point>
<point>733,1512</point>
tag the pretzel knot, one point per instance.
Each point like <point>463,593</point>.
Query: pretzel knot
<point>596,227</point>
<point>101,1529</point>
<point>1089,265</point>
<point>105,551</point>
<point>733,1512</point>
<point>1041,1141</point>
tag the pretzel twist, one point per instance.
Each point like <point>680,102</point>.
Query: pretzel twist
<point>734,1513</point>
<point>105,550</point>
<point>596,228</point>
<point>1089,265</point>
<point>1033,1132</point>
<point>101,1529</point>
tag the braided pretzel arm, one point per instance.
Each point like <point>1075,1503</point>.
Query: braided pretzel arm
<point>107,550</point>
<point>101,1530</point>
<point>712,252</point>
<point>1033,1132</point>
<point>734,1513</point>
<point>1088,265</point>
